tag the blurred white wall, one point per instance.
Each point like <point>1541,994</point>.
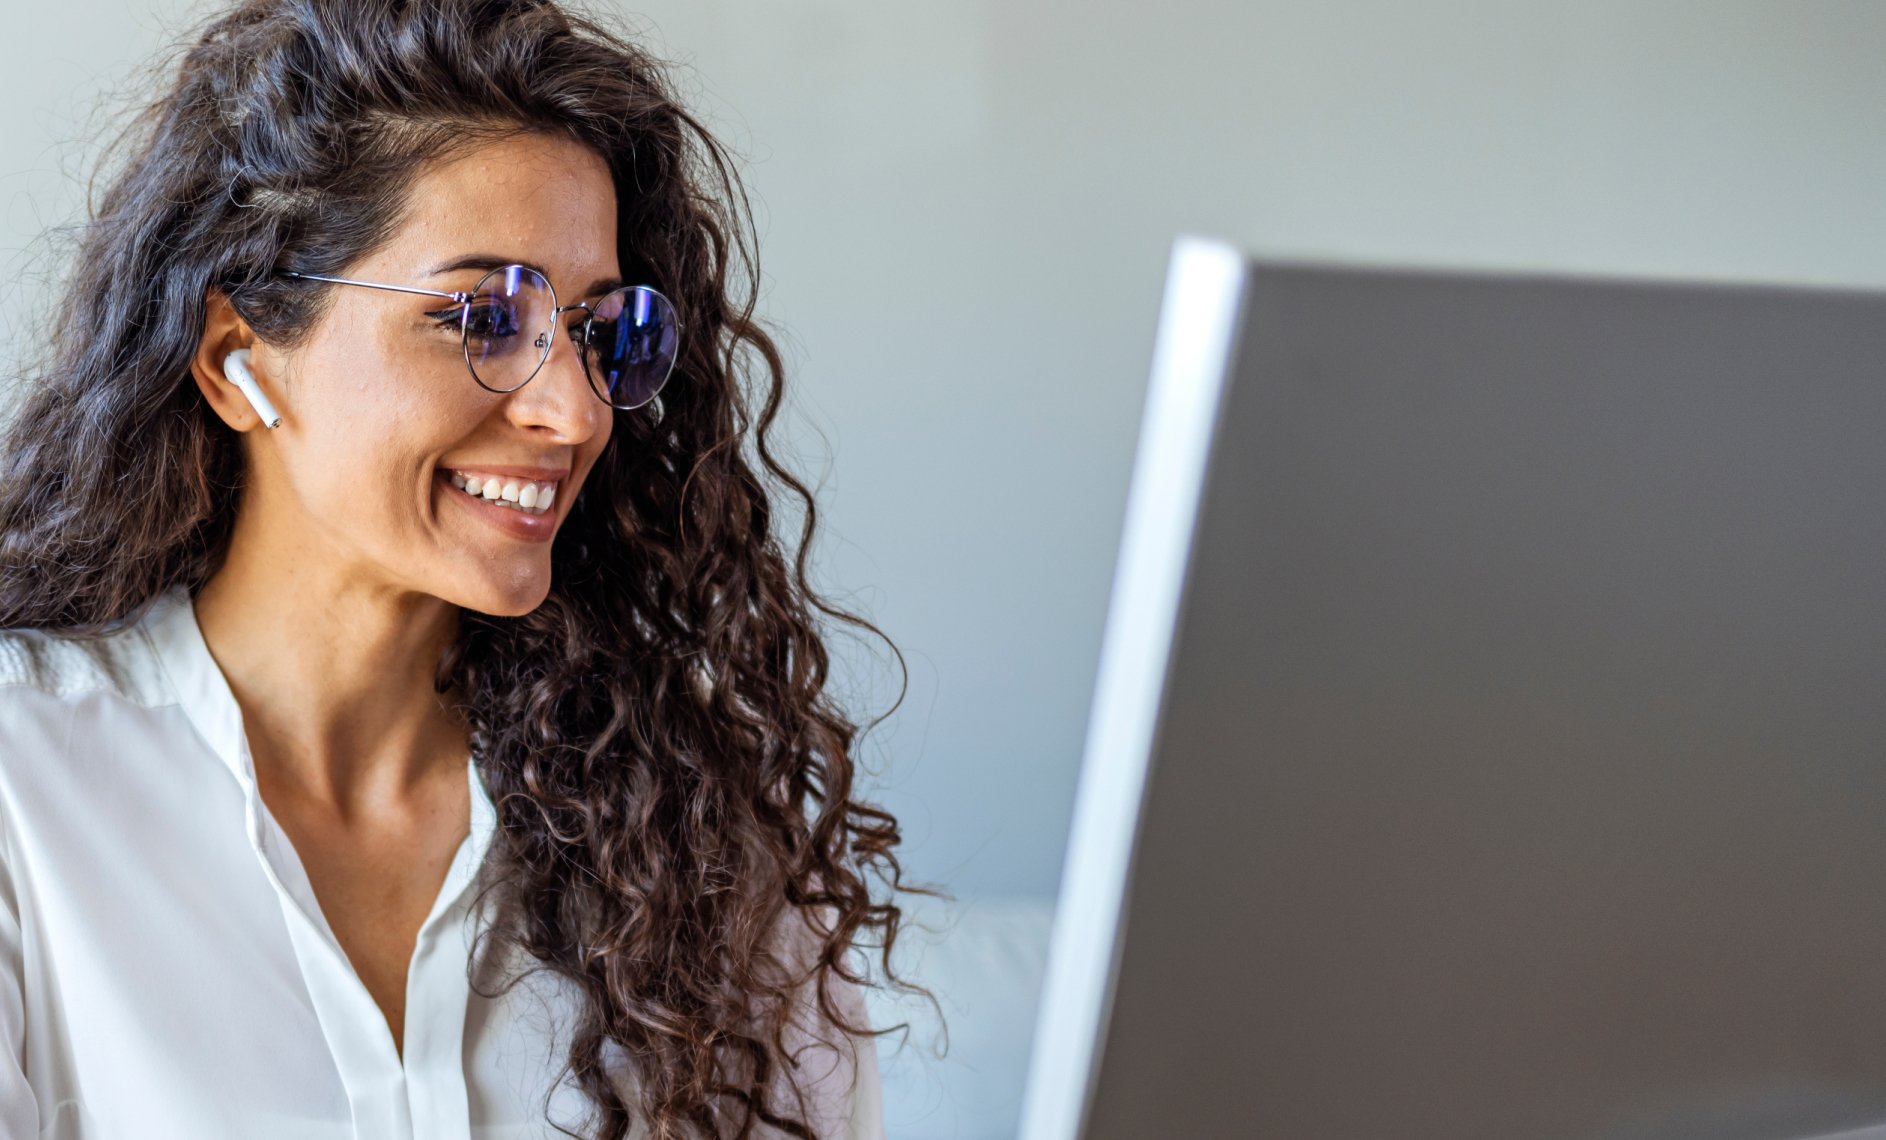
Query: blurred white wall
<point>965,211</point>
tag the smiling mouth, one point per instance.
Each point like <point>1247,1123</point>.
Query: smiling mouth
<point>522,495</point>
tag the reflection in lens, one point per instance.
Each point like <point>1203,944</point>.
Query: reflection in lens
<point>505,325</point>
<point>632,346</point>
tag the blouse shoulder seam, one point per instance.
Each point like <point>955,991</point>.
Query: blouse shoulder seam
<point>66,667</point>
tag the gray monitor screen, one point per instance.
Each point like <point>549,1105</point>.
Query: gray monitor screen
<point>1520,769</point>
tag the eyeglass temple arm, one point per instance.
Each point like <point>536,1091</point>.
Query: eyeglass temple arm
<point>459,297</point>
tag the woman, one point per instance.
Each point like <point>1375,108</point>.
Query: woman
<point>410,725</point>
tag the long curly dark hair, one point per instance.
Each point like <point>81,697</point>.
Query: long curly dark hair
<point>673,781</point>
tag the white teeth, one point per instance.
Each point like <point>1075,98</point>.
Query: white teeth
<point>531,498</point>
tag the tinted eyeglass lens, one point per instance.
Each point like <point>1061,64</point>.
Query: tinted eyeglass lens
<point>633,342</point>
<point>507,327</point>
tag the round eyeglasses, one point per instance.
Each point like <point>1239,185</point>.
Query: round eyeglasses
<point>628,339</point>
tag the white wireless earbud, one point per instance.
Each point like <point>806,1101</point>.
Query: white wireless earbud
<point>236,364</point>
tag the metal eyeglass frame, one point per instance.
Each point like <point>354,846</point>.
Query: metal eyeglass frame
<point>556,310</point>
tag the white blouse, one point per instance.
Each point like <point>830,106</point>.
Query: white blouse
<point>165,969</point>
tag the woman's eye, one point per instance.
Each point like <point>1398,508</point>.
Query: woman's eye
<point>488,321</point>
<point>491,321</point>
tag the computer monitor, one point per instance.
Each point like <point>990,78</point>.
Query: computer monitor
<point>1489,738</point>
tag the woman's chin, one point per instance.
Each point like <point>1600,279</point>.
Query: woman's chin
<point>510,598</point>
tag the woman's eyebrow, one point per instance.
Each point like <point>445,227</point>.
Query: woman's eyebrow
<point>488,261</point>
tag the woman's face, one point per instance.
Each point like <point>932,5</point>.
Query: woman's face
<point>379,413</point>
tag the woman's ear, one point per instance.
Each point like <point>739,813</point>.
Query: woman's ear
<point>225,332</point>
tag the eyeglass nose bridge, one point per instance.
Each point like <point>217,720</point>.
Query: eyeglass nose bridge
<point>543,345</point>
<point>540,342</point>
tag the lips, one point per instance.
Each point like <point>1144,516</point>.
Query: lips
<point>508,518</point>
